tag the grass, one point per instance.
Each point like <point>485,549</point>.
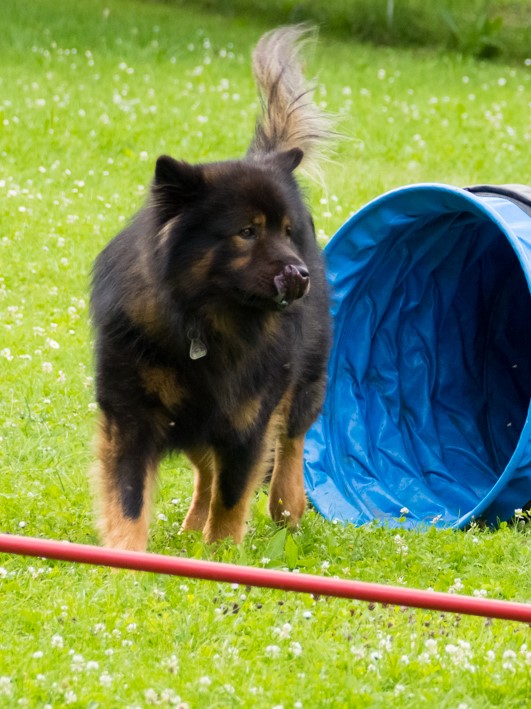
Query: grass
<point>90,94</point>
<point>482,28</point>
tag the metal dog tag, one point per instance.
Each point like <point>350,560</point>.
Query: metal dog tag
<point>197,346</point>
<point>197,349</point>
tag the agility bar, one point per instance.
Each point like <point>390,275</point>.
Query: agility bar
<point>265,578</point>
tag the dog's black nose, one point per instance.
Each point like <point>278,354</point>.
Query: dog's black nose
<point>291,283</point>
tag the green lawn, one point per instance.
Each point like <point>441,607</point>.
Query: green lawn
<point>90,94</point>
<point>481,28</point>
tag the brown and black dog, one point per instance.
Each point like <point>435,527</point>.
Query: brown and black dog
<point>212,324</point>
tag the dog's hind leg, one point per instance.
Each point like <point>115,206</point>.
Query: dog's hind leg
<point>203,461</point>
<point>287,499</point>
<point>124,476</point>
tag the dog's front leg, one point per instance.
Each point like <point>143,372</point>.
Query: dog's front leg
<point>239,471</point>
<point>287,499</point>
<point>124,477</point>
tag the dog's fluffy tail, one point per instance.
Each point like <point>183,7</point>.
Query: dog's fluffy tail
<point>290,118</point>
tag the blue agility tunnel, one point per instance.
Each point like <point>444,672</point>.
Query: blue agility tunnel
<point>429,389</point>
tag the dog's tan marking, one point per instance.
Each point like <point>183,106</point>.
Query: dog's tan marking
<point>245,416</point>
<point>242,262</point>
<point>287,499</point>
<point>259,220</point>
<point>203,462</point>
<point>142,307</point>
<point>223,523</point>
<point>162,382</point>
<point>116,530</point>
<point>119,532</point>
<point>222,321</point>
<point>199,271</point>
<point>286,226</point>
<point>272,323</point>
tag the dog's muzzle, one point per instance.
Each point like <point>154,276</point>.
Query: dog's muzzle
<point>291,284</point>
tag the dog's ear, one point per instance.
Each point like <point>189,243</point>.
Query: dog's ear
<point>288,160</point>
<point>176,184</point>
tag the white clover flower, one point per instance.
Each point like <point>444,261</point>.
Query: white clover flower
<point>431,646</point>
<point>57,641</point>
<point>205,681</point>
<point>272,650</point>
<point>402,547</point>
<point>78,663</point>
<point>295,649</point>
<point>284,632</point>
<point>6,686</point>
<point>386,643</point>
<point>457,586</point>
<point>151,696</point>
<point>358,652</point>
<point>105,679</point>
<point>168,696</point>
<point>70,697</point>
<point>460,654</point>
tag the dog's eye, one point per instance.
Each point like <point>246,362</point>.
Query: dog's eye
<point>288,230</point>
<point>248,232</point>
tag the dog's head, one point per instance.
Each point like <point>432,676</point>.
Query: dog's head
<point>234,230</point>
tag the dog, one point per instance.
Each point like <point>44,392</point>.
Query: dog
<point>211,319</point>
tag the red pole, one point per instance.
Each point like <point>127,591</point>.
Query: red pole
<point>267,578</point>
